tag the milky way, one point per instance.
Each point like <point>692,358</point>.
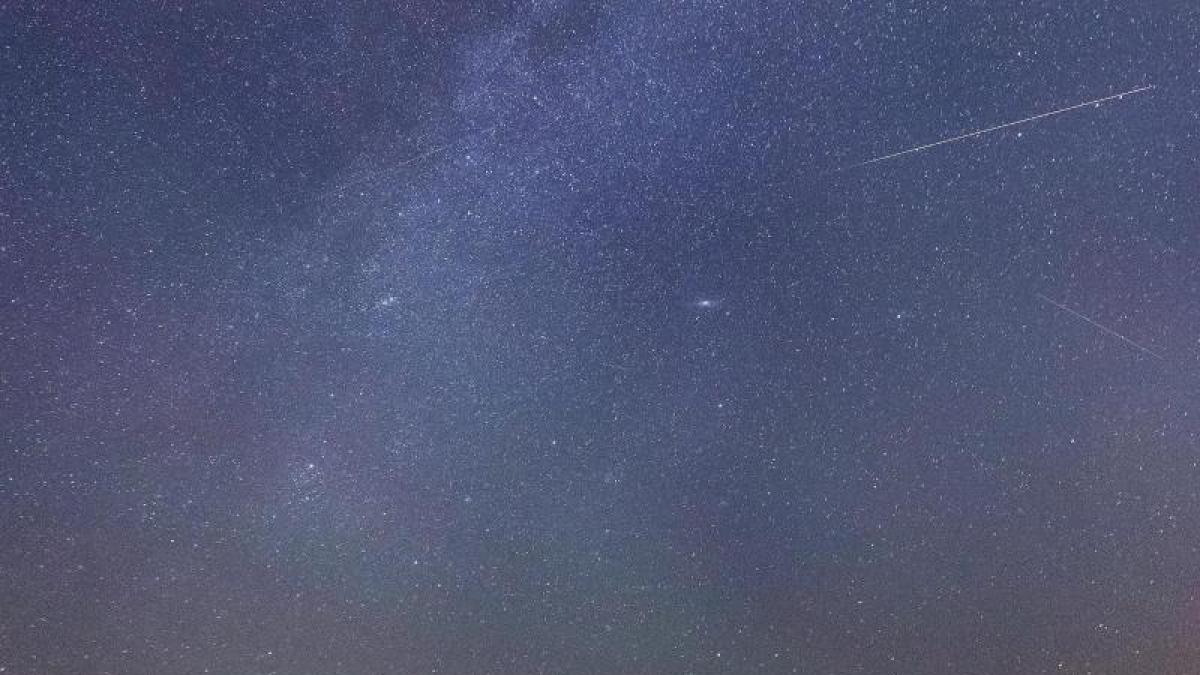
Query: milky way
<point>549,338</point>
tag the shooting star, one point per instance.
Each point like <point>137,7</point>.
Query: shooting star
<point>998,127</point>
<point>445,146</point>
<point>1140,348</point>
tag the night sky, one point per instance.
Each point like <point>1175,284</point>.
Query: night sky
<point>574,337</point>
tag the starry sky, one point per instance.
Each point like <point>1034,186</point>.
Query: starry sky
<point>575,337</point>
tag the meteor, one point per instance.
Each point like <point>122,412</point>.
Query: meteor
<point>1105,329</point>
<point>998,127</point>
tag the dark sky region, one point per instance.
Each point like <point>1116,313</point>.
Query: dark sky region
<point>566,337</point>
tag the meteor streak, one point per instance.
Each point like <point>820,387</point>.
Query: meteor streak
<point>998,127</point>
<point>1105,329</point>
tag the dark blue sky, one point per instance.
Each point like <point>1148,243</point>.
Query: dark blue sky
<point>557,337</point>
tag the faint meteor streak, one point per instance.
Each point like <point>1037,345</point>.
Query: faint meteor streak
<point>981,132</point>
<point>426,154</point>
<point>445,146</point>
<point>1103,328</point>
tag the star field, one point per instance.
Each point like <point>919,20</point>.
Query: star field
<point>566,337</point>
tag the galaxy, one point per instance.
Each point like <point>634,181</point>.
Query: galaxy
<point>599,337</point>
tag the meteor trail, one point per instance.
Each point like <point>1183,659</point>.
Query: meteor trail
<point>1105,329</point>
<point>973,134</point>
